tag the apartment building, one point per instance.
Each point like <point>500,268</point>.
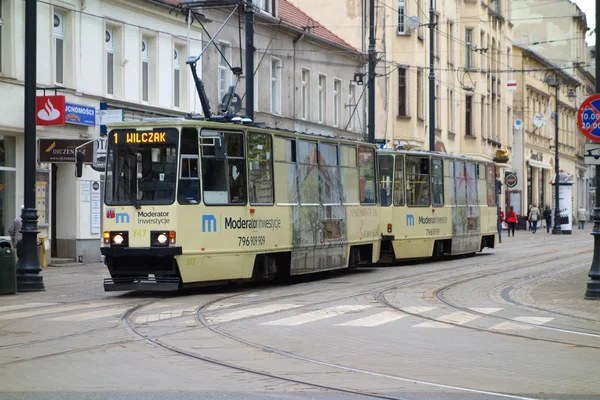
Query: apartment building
<point>128,58</point>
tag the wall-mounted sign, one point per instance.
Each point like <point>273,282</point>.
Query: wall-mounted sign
<point>511,179</point>
<point>96,208</point>
<point>80,115</point>
<point>50,110</point>
<point>63,150</point>
<point>518,125</point>
<point>511,84</point>
<point>106,116</point>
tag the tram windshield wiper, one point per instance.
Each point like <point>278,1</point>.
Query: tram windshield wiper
<point>128,190</point>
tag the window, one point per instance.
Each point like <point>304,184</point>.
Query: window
<point>482,45</point>
<point>189,179</point>
<point>59,47</point>
<point>450,43</point>
<point>286,173</point>
<point>471,180</point>
<point>337,103</point>
<point>329,176</point>
<point>417,181</point>
<point>2,3</point>
<point>308,172</point>
<point>224,71</point>
<point>498,6</point>
<point>451,117</point>
<point>468,48</point>
<point>109,39</point>
<point>460,183</point>
<point>265,5</point>
<point>483,131</point>
<point>223,180</point>
<point>438,108</point>
<point>491,185</point>
<point>437,181</point>
<point>177,54</point>
<point>402,92</point>
<point>420,29</point>
<point>305,94</point>
<point>275,86</point>
<point>385,164</point>
<point>352,106</point>
<point>399,181</point>
<point>366,162</point>
<point>260,169</point>
<point>420,94</point>
<point>145,70</point>
<point>401,16</point>
<point>469,115</point>
<point>450,181</point>
<point>322,98</point>
<point>141,173</point>
<point>257,60</point>
<point>438,38</point>
<point>349,171</point>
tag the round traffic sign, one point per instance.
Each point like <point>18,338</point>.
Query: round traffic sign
<point>518,124</point>
<point>588,117</point>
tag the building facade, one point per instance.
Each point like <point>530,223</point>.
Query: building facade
<point>128,58</point>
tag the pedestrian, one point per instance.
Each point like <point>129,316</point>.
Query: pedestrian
<point>581,214</point>
<point>548,218</point>
<point>534,216</point>
<point>501,215</point>
<point>529,216</point>
<point>16,237</point>
<point>511,219</point>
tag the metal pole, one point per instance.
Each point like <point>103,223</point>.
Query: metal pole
<point>29,278</point>
<point>593,286</point>
<point>431,81</point>
<point>557,229</point>
<point>371,79</point>
<point>249,60</point>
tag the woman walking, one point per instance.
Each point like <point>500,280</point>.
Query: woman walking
<point>534,215</point>
<point>511,220</point>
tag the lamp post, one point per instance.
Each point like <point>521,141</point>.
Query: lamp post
<point>556,229</point>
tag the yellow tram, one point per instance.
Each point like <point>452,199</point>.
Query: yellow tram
<point>191,202</point>
<point>435,203</point>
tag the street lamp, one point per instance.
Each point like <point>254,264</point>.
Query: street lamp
<point>552,81</point>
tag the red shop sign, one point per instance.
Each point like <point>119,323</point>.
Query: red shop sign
<point>50,110</point>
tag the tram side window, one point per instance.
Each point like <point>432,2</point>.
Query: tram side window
<point>437,182</point>
<point>471,179</point>
<point>286,188</point>
<point>188,191</point>
<point>460,183</point>
<point>330,176</point>
<point>224,181</point>
<point>349,170</point>
<point>449,181</point>
<point>260,169</point>
<point>308,172</point>
<point>399,181</point>
<point>491,185</point>
<point>386,176</point>
<point>417,178</point>
<point>366,157</point>
<point>481,184</point>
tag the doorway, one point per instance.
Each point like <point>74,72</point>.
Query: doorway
<point>53,219</point>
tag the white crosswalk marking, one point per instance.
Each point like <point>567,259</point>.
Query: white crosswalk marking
<point>417,310</point>
<point>24,306</point>
<point>111,312</point>
<point>459,318</point>
<point>533,320</point>
<point>485,310</point>
<point>432,324</point>
<point>510,326</point>
<point>316,315</point>
<point>375,320</point>
<point>57,309</point>
<point>250,312</point>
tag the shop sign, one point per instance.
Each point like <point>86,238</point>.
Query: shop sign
<point>510,179</point>
<point>63,150</point>
<point>50,110</point>
<point>80,115</point>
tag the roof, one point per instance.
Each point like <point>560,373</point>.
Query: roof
<point>550,64</point>
<point>292,17</point>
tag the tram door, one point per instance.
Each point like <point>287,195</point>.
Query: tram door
<point>465,218</point>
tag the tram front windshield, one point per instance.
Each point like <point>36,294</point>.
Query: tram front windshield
<point>141,167</point>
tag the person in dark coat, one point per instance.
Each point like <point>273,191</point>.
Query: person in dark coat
<point>548,217</point>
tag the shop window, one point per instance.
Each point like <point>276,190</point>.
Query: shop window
<point>437,181</point>
<point>366,162</point>
<point>260,169</point>
<point>417,179</point>
<point>386,174</point>
<point>399,181</point>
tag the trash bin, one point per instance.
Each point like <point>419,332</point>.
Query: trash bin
<point>8,271</point>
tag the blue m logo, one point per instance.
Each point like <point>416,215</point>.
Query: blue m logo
<point>209,223</point>
<point>410,220</point>
<point>122,218</point>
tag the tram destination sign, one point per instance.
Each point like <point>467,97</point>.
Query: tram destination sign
<point>588,117</point>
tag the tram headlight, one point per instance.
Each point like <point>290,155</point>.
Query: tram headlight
<point>162,238</point>
<point>118,239</point>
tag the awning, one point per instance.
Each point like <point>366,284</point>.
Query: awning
<point>539,164</point>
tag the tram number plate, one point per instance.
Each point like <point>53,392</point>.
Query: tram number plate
<point>432,232</point>
<point>251,240</point>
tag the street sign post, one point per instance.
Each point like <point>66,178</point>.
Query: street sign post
<point>588,117</point>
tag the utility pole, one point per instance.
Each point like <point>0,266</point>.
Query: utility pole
<point>593,286</point>
<point>249,59</point>
<point>557,229</point>
<point>29,278</point>
<point>431,79</point>
<point>371,79</point>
